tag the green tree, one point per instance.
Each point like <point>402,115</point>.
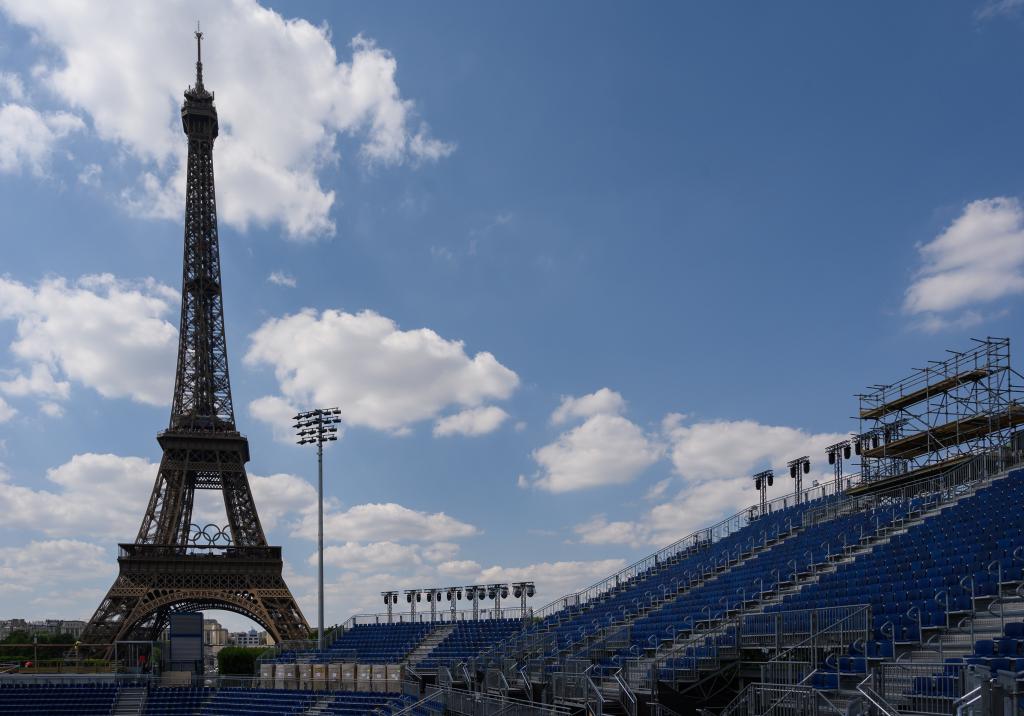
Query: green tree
<point>237,660</point>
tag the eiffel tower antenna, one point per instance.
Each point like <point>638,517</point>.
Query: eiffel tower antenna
<point>173,565</point>
<point>199,56</point>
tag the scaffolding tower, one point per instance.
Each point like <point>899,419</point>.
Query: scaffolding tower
<point>940,415</point>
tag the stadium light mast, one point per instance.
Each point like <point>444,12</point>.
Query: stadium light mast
<point>390,599</point>
<point>836,455</point>
<point>522,591</point>
<point>316,427</point>
<point>797,469</point>
<point>762,481</point>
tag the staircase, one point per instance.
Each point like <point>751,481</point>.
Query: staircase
<point>430,641</point>
<point>129,702</point>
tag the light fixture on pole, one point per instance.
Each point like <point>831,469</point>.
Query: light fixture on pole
<point>797,469</point>
<point>522,591</point>
<point>837,454</point>
<point>412,596</point>
<point>497,592</point>
<point>476,592</point>
<point>316,427</point>
<point>391,599</point>
<point>762,481</point>
<point>454,594</point>
<point>433,597</point>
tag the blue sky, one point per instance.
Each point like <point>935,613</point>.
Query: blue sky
<point>572,272</point>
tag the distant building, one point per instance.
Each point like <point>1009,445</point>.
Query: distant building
<point>72,627</point>
<point>215,638</point>
<point>251,638</point>
<point>213,633</point>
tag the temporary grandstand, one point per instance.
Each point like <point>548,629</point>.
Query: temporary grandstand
<point>899,590</point>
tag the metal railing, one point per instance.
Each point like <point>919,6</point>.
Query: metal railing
<point>866,688</point>
<point>784,629</point>
<point>593,702</point>
<point>842,627</point>
<point>442,616</point>
<point>921,688</point>
<point>474,703</point>
<point>778,700</point>
<point>627,699</point>
<point>430,703</point>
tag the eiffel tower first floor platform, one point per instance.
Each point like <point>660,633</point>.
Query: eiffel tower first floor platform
<point>156,581</point>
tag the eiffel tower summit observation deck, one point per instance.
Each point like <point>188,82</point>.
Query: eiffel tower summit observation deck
<point>173,565</point>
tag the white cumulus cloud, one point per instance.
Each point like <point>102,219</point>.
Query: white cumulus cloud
<point>28,137</point>
<point>379,375</point>
<point>6,411</point>
<point>607,449</point>
<point>105,333</point>
<point>382,522</point>
<point>714,460</point>
<point>105,496</point>
<point>602,402</point>
<point>283,95</point>
<point>29,572</point>
<point>94,495</point>
<point>977,259</point>
<point>12,86</point>
<point>474,421</point>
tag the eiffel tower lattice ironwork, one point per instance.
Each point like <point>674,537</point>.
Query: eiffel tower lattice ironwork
<point>174,566</point>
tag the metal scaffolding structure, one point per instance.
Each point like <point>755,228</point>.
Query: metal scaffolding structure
<point>940,415</point>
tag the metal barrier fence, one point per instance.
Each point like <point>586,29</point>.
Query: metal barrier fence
<point>441,616</point>
<point>921,688</point>
<point>838,628</point>
<point>780,630</point>
<point>777,700</point>
<point>474,703</point>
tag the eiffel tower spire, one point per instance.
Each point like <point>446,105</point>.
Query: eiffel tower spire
<point>174,565</point>
<point>202,387</point>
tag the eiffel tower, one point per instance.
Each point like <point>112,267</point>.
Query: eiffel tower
<point>174,566</point>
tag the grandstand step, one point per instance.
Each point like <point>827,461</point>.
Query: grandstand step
<point>129,702</point>
<point>429,643</point>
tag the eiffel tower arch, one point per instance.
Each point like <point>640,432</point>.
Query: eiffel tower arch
<point>174,565</point>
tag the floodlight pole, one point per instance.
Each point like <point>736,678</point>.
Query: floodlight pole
<point>837,454</point>
<point>320,534</point>
<point>318,426</point>
<point>797,469</point>
<point>761,485</point>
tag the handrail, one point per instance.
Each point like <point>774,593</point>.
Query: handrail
<point>867,690</point>
<point>526,682</point>
<point>421,703</point>
<point>626,696</point>
<point>598,697</point>
<point>967,700</point>
<point>859,610</point>
<point>478,696</point>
